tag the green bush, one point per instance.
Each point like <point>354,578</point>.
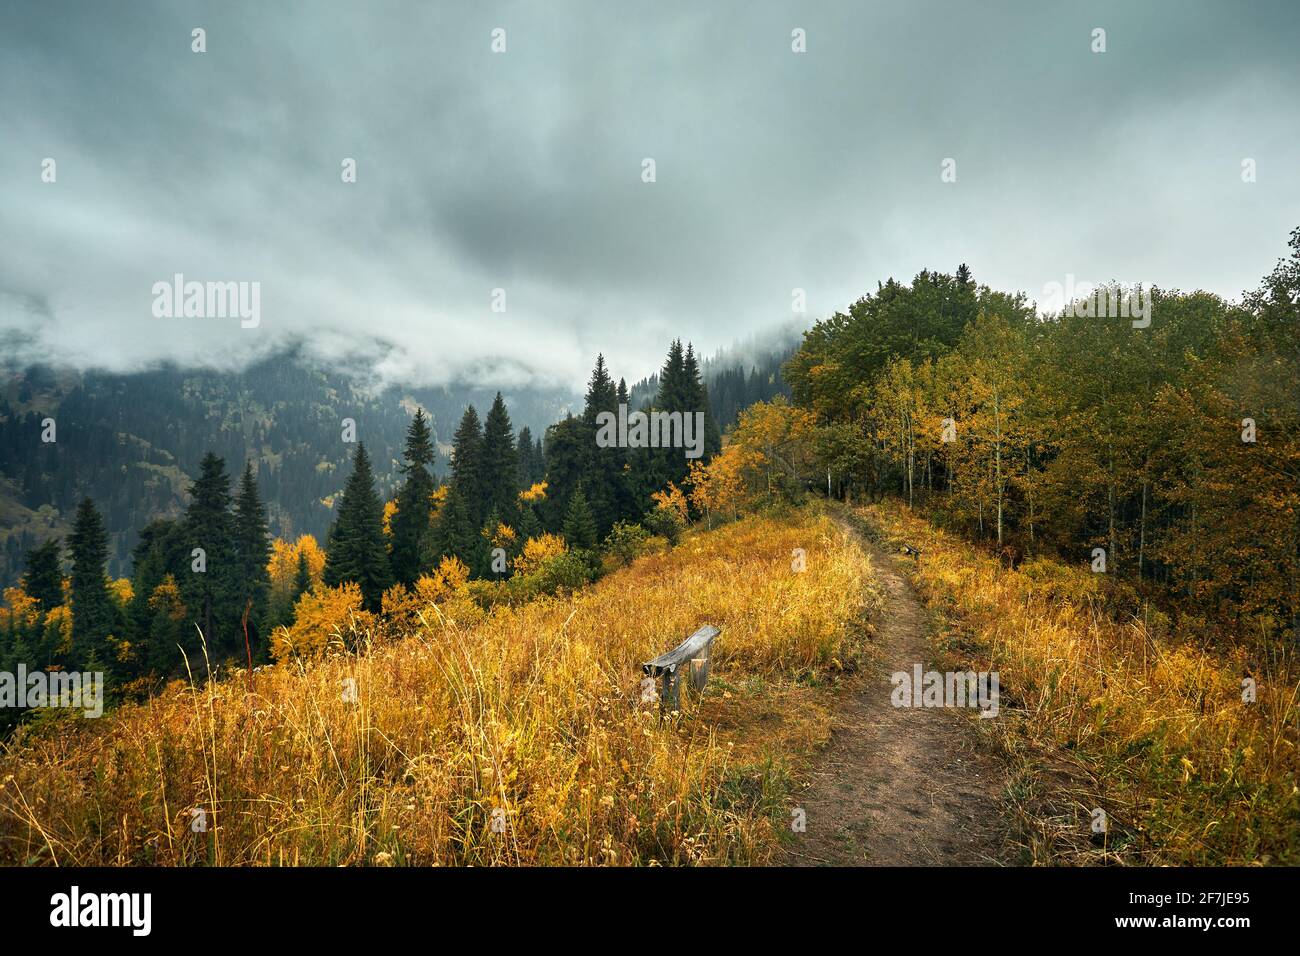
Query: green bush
<point>626,540</point>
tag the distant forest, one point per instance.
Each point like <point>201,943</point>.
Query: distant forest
<point>133,442</point>
<point>217,563</point>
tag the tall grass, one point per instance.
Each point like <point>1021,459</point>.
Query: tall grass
<point>531,712</point>
<point>1120,712</point>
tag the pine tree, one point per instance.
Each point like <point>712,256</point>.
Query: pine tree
<point>697,400</point>
<point>212,594</point>
<point>357,550</point>
<point>411,527</point>
<point>500,470</point>
<point>43,579</point>
<point>171,638</point>
<point>524,443</point>
<point>568,446</point>
<point>159,553</point>
<point>602,469</point>
<point>92,609</point>
<point>579,525</point>
<point>539,460</point>
<point>467,465</point>
<point>253,552</point>
<point>458,534</point>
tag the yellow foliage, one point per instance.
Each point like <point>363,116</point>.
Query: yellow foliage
<point>20,611</point>
<point>167,597</point>
<point>502,536</point>
<point>437,498</point>
<point>672,499</point>
<point>536,550</point>
<point>283,564</point>
<point>58,629</point>
<point>390,509</point>
<point>324,618</point>
<point>1159,724</point>
<point>121,592</point>
<point>535,493</point>
<point>533,710</point>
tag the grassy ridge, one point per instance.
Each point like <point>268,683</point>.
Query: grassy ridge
<point>531,712</point>
<point>1118,712</point>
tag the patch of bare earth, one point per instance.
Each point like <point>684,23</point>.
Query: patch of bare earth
<point>901,786</point>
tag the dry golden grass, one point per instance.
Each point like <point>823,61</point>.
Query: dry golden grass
<point>1119,715</point>
<point>531,711</point>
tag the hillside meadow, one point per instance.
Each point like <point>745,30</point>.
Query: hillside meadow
<point>1109,705</point>
<point>406,752</point>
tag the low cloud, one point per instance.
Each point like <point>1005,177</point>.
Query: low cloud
<point>522,171</point>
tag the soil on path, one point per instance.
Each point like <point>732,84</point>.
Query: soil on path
<point>901,786</point>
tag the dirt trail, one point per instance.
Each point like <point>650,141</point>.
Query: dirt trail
<point>900,786</point>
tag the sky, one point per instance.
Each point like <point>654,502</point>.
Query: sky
<point>524,170</point>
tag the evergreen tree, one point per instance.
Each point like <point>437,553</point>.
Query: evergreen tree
<point>357,550</point>
<point>43,579</point>
<point>527,464</point>
<point>579,525</point>
<point>697,400</point>
<point>159,553</point>
<point>301,579</point>
<point>568,445</point>
<point>602,470</point>
<point>253,552</point>
<point>212,594</point>
<point>171,638</point>
<point>458,535</point>
<point>467,465</point>
<point>411,527</point>
<point>500,463</point>
<point>92,609</point>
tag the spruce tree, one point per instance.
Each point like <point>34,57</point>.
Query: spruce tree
<point>253,552</point>
<point>301,579</point>
<point>357,550</point>
<point>579,525</point>
<point>411,526</point>
<point>602,471</point>
<point>539,461</point>
<point>458,535</point>
<point>92,609</point>
<point>43,578</point>
<point>159,553</point>
<point>628,506</point>
<point>697,400</point>
<point>568,449</point>
<point>209,584</point>
<point>500,469</point>
<point>524,444</point>
<point>171,638</point>
<point>467,465</point>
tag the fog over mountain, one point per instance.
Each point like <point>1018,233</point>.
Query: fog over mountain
<point>522,170</point>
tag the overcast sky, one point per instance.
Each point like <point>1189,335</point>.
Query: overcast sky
<point>522,170</point>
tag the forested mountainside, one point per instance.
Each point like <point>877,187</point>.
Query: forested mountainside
<point>137,438</point>
<point>737,377</point>
<point>133,442</point>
